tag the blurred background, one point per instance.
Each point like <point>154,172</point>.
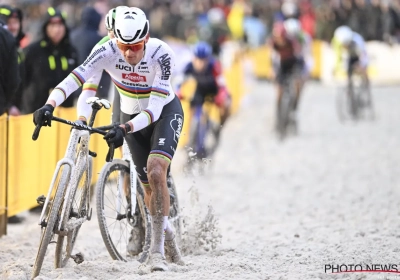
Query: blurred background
<point>201,19</point>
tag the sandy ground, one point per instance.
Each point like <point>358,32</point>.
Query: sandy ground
<point>275,210</point>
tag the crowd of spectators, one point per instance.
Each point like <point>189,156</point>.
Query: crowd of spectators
<point>248,20</point>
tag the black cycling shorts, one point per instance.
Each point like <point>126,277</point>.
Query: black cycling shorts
<point>289,67</point>
<point>350,66</point>
<point>159,139</point>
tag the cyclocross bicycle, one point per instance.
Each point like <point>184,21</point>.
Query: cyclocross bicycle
<point>67,204</point>
<point>285,111</point>
<point>203,137</point>
<point>121,207</point>
<point>355,102</point>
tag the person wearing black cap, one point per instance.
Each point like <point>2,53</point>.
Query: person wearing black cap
<point>12,17</point>
<point>47,62</point>
<point>9,72</point>
<point>9,78</point>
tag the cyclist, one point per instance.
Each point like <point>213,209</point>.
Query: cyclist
<point>294,31</point>
<point>207,72</point>
<point>141,69</point>
<point>89,89</point>
<point>287,60</point>
<point>352,43</point>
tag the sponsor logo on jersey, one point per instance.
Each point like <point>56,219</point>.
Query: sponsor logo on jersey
<point>93,55</point>
<point>81,69</point>
<point>159,47</point>
<point>121,60</point>
<point>143,62</point>
<point>176,125</point>
<point>134,84</point>
<point>133,77</point>
<point>112,46</point>
<point>123,67</point>
<point>165,64</point>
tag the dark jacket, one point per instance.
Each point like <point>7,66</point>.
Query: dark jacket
<point>7,12</point>
<point>46,65</point>
<point>84,38</point>
<point>9,73</point>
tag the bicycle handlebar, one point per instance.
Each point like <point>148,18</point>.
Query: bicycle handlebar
<point>99,130</point>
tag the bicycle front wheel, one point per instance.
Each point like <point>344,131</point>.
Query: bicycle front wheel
<point>79,209</point>
<point>52,218</point>
<point>116,215</point>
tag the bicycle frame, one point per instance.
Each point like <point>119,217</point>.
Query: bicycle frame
<point>75,136</point>
<point>82,137</point>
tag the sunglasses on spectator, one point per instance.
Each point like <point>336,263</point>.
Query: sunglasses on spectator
<point>133,47</point>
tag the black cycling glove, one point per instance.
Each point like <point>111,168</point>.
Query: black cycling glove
<point>115,136</point>
<point>39,116</point>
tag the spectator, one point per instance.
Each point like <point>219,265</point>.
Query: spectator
<point>9,73</point>
<point>9,78</point>
<point>84,38</point>
<point>236,17</point>
<point>219,31</point>
<point>54,56</point>
<point>387,22</point>
<point>307,18</point>
<point>13,20</point>
<point>373,24</point>
<point>255,30</point>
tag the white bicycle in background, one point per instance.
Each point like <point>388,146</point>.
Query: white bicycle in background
<point>67,204</point>
<point>121,207</point>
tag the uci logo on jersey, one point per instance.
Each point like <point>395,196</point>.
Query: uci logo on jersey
<point>123,67</point>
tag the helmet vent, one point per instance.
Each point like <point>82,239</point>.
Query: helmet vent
<point>145,30</point>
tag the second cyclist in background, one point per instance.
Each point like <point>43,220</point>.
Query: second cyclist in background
<point>293,29</point>
<point>346,41</point>
<point>287,62</point>
<point>207,72</point>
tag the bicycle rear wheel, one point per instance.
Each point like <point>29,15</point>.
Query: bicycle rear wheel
<point>285,108</point>
<point>51,219</point>
<point>79,209</point>
<point>114,210</point>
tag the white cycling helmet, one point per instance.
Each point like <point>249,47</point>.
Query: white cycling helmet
<point>110,18</point>
<point>343,35</point>
<point>292,27</point>
<point>289,8</point>
<point>131,25</point>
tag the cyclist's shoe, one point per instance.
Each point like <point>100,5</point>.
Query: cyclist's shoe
<point>172,252</point>
<point>157,262</point>
<point>135,244</point>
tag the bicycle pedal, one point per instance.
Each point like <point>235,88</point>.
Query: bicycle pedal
<point>40,200</point>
